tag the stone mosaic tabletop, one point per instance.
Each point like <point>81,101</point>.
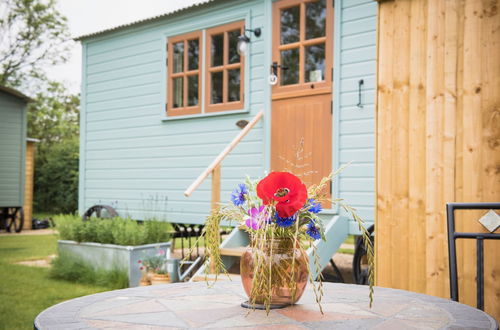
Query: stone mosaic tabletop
<point>194,305</point>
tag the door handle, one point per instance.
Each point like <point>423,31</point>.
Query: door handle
<point>361,82</point>
<point>275,66</point>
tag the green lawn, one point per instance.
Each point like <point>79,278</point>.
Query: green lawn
<point>43,215</point>
<point>178,242</point>
<point>349,240</point>
<point>26,291</point>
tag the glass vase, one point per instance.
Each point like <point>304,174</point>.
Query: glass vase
<point>282,273</point>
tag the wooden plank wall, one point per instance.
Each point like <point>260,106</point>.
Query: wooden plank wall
<point>354,127</point>
<point>12,139</point>
<point>28,184</point>
<point>438,140</point>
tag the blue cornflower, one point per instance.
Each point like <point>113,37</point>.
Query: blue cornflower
<point>285,222</point>
<point>238,194</point>
<point>314,207</point>
<point>313,231</point>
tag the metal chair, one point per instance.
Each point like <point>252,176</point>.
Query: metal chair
<point>479,237</point>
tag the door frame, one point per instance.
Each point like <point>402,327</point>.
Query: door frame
<point>268,60</point>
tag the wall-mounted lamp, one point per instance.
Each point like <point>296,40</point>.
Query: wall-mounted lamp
<point>243,40</point>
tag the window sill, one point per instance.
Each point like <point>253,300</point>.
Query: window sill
<point>203,115</point>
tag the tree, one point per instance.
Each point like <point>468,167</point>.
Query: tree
<point>53,116</point>
<point>53,119</point>
<point>33,35</point>
<point>56,177</point>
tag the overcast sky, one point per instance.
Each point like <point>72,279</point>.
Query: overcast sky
<point>87,16</point>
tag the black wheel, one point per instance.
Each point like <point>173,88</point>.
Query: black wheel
<point>100,211</point>
<point>15,219</point>
<point>360,261</point>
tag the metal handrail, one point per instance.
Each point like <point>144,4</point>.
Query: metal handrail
<point>217,161</point>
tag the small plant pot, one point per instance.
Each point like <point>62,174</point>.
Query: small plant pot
<point>145,280</point>
<point>144,283</point>
<point>149,276</point>
<point>160,279</point>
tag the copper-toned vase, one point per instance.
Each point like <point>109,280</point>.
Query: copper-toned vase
<point>288,268</point>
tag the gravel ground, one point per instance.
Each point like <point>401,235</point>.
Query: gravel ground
<point>30,232</point>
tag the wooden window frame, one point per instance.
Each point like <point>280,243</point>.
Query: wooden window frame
<point>224,106</point>
<point>185,110</point>
<point>306,88</point>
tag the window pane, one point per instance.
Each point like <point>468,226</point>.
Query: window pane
<point>193,54</point>
<point>315,19</point>
<point>216,92</point>
<point>315,63</point>
<point>192,90</point>
<point>233,84</point>
<point>234,57</point>
<point>178,57</point>
<point>289,67</point>
<point>217,49</point>
<point>290,25</point>
<point>178,95</point>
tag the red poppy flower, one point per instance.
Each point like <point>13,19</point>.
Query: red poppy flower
<point>284,188</point>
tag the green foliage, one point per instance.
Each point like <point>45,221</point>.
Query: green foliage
<point>68,267</point>
<point>53,119</point>
<point>53,115</point>
<point>26,291</point>
<point>112,231</point>
<point>155,230</point>
<point>33,34</point>
<point>56,177</point>
<point>155,263</point>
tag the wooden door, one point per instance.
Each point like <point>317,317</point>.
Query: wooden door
<point>301,128</point>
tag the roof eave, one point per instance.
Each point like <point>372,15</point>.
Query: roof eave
<point>200,4</point>
<point>16,93</point>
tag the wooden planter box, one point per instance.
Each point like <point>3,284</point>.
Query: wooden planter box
<point>109,256</point>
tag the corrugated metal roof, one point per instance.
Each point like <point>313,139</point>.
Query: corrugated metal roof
<point>145,20</point>
<point>14,92</point>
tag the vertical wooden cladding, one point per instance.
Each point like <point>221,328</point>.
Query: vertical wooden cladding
<point>301,135</point>
<point>438,140</point>
<point>28,184</point>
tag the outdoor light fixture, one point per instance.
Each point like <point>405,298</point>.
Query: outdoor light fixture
<point>243,40</point>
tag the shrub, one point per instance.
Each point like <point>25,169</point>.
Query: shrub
<point>56,176</point>
<point>68,267</point>
<point>118,231</point>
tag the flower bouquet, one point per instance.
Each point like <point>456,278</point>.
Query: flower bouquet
<point>280,215</point>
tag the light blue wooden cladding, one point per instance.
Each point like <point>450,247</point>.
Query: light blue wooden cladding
<point>12,149</point>
<point>129,152</point>
<point>359,26</point>
<point>363,39</point>
<point>358,10</point>
<point>356,125</point>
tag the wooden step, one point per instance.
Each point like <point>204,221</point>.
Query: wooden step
<point>233,251</point>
